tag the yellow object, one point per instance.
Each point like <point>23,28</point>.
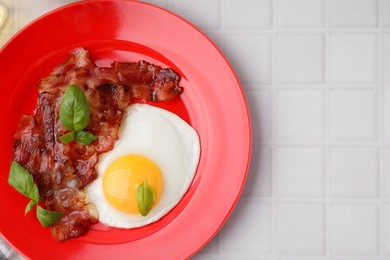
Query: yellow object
<point>3,15</point>
<point>124,175</point>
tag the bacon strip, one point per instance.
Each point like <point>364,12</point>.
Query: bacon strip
<point>60,170</point>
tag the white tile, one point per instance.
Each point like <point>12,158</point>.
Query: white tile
<point>4,38</point>
<point>245,257</point>
<point>247,14</point>
<point>387,228</point>
<point>386,171</point>
<point>251,87</point>
<point>253,64</point>
<point>303,258</point>
<point>300,115</point>
<point>354,172</point>
<point>260,109</point>
<point>259,180</point>
<point>212,248</point>
<point>201,256</point>
<point>353,115</point>
<point>300,58</point>
<point>161,3</point>
<point>357,258</point>
<point>386,13</point>
<point>386,114</point>
<point>37,9</point>
<point>353,13</point>
<point>300,13</point>
<point>353,58</point>
<point>386,58</point>
<point>250,220</point>
<point>300,172</point>
<point>215,38</point>
<point>354,229</point>
<point>192,10</point>
<point>300,229</point>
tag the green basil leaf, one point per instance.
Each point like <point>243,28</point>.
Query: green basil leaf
<point>30,205</point>
<point>145,198</point>
<point>22,181</point>
<point>74,109</point>
<point>67,138</point>
<point>84,137</point>
<point>46,217</point>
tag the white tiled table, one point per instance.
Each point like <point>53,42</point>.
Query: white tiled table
<point>316,74</point>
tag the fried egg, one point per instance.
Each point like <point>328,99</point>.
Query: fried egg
<point>155,146</point>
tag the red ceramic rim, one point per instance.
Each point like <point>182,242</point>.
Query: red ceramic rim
<point>212,102</point>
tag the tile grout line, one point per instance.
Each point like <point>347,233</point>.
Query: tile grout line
<point>380,125</point>
<point>327,222</point>
<point>273,61</point>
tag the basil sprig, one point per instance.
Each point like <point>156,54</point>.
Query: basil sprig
<point>23,182</point>
<point>145,198</point>
<point>75,116</point>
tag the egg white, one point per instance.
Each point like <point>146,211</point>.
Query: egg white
<point>164,138</point>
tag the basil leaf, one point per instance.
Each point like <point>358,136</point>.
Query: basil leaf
<point>84,137</point>
<point>145,197</point>
<point>30,205</point>
<point>22,181</point>
<point>74,109</point>
<point>67,138</point>
<point>46,217</point>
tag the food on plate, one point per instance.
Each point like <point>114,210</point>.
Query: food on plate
<point>61,155</point>
<point>155,146</point>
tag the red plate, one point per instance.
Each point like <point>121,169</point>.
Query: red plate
<point>212,102</point>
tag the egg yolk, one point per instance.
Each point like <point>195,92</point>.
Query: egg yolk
<point>124,175</point>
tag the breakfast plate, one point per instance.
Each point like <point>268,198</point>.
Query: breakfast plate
<point>212,103</point>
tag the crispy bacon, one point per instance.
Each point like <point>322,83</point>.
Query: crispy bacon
<point>148,81</point>
<point>60,170</point>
